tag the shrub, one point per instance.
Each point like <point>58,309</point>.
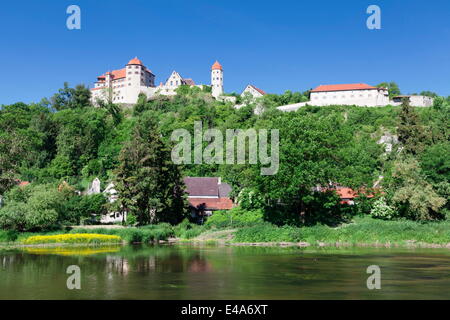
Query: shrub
<point>13,216</point>
<point>382,210</point>
<point>144,234</point>
<point>8,235</point>
<point>188,230</point>
<point>236,217</point>
<point>267,233</point>
<point>83,208</point>
<point>131,219</point>
<point>31,208</point>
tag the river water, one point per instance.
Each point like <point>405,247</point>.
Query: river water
<point>218,272</point>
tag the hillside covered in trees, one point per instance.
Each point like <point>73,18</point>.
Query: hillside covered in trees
<point>61,144</point>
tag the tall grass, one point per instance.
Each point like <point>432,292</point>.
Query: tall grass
<point>363,230</point>
<point>134,235</point>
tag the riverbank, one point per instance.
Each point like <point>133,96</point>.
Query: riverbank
<point>361,232</point>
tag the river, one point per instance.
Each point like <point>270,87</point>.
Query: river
<point>218,272</point>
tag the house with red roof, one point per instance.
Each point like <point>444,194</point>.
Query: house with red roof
<point>358,94</point>
<point>346,195</point>
<point>206,195</point>
<point>253,91</point>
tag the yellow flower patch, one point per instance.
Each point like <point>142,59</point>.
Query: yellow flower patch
<point>73,238</point>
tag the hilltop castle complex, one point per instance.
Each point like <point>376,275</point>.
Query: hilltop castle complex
<point>125,85</point>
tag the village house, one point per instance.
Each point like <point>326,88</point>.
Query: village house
<point>206,195</point>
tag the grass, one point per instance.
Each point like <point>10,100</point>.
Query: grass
<point>75,238</point>
<point>361,231</point>
<point>145,234</point>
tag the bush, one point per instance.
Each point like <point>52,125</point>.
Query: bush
<point>144,234</point>
<point>187,230</point>
<point>236,217</point>
<point>131,219</point>
<point>382,210</point>
<point>267,233</point>
<point>8,235</point>
<point>13,216</point>
<point>79,209</point>
<point>35,207</point>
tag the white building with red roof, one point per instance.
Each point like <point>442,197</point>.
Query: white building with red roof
<point>216,79</point>
<point>358,94</point>
<point>253,91</point>
<point>124,85</point>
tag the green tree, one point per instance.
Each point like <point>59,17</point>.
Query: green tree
<point>71,98</point>
<point>411,133</point>
<point>149,185</point>
<point>412,196</point>
<point>393,88</point>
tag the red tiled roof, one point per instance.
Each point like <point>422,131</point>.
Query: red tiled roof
<point>347,193</point>
<point>115,74</point>
<point>257,89</point>
<point>21,183</point>
<point>135,61</point>
<point>212,203</point>
<point>343,87</point>
<point>216,66</point>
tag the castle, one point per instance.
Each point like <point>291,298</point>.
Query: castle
<point>124,85</point>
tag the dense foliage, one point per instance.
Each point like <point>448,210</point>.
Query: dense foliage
<point>65,140</point>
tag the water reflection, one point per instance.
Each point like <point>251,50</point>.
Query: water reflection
<point>71,251</point>
<point>189,272</point>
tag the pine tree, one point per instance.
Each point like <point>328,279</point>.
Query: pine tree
<point>149,185</point>
<point>411,133</point>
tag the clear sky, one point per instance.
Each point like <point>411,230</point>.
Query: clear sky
<point>275,45</point>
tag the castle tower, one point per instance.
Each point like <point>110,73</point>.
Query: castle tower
<point>134,71</point>
<point>216,79</point>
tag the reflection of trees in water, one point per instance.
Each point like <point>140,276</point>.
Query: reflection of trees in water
<point>117,264</point>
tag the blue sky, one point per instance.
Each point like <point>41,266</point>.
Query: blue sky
<point>275,45</point>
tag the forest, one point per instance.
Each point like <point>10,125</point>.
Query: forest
<point>62,143</point>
